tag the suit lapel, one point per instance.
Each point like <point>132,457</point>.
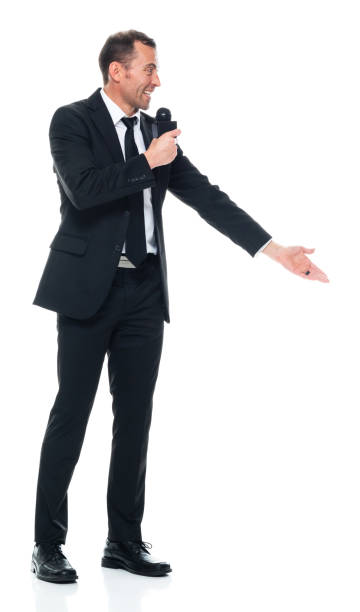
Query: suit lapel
<point>146,125</point>
<point>103,122</point>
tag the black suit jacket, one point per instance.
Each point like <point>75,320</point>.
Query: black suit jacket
<point>94,183</point>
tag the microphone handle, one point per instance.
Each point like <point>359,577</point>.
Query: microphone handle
<point>160,127</point>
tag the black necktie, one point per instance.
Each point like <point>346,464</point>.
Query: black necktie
<point>135,237</point>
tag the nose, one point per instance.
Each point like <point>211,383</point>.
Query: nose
<point>155,80</point>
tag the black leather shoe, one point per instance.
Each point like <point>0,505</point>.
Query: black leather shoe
<point>49,563</point>
<point>134,557</point>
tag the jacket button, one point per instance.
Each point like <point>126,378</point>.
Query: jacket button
<point>117,247</point>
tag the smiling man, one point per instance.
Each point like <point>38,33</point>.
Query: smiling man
<point>138,77</point>
<point>106,279</point>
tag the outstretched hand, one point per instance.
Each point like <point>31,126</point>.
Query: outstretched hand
<point>293,258</point>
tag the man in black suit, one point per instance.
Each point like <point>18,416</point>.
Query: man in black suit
<point>106,279</point>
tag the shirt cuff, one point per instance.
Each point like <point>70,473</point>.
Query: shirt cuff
<point>263,247</point>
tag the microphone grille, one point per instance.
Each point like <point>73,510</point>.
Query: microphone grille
<point>163,114</point>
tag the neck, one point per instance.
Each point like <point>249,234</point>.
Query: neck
<point>116,97</point>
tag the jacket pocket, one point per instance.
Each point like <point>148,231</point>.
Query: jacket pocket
<point>69,244</point>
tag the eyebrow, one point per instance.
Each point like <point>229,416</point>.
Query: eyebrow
<point>151,64</point>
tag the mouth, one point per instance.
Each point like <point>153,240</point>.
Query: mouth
<point>147,93</point>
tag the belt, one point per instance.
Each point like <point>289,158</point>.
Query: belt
<point>126,263</point>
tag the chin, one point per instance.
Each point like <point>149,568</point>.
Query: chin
<point>144,105</point>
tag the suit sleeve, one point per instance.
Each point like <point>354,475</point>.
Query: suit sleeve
<point>84,183</point>
<point>215,206</point>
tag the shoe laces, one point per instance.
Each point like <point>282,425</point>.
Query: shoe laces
<point>140,545</point>
<point>55,552</point>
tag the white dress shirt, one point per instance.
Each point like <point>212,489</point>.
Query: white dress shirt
<point>116,113</point>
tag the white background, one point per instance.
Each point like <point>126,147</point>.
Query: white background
<point>252,487</point>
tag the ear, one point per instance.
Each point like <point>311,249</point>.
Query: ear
<point>116,71</point>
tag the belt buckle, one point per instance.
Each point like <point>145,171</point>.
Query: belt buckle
<point>125,262</point>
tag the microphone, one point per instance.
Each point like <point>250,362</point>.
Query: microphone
<point>163,123</point>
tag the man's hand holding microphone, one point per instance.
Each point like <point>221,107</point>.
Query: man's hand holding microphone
<point>162,150</point>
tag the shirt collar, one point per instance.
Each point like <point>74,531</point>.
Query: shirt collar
<point>116,113</point>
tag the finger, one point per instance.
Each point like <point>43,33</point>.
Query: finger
<point>316,269</point>
<point>174,133</point>
<point>314,273</point>
<point>308,265</point>
<point>317,277</point>
<point>305,250</point>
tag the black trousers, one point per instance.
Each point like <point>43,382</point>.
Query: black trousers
<point>128,327</point>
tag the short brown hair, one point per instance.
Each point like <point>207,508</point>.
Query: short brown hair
<point>119,47</point>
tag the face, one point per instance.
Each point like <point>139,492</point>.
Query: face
<point>139,78</point>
